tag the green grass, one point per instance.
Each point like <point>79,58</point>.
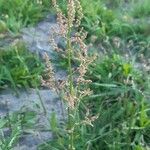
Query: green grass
<point>119,98</point>
<point>19,67</point>
<point>141,9</point>
<point>18,123</point>
<point>106,19</point>
<point>18,13</point>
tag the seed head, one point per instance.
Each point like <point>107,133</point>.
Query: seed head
<point>49,80</point>
<point>71,13</point>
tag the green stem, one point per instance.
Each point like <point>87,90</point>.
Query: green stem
<point>71,89</point>
<point>69,51</point>
<point>41,102</point>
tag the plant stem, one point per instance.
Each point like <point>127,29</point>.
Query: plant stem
<point>71,89</point>
<point>69,51</point>
<point>41,102</point>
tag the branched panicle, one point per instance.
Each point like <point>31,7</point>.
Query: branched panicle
<point>61,20</point>
<point>70,13</point>
<point>76,49</point>
<point>49,80</point>
<point>79,14</point>
<point>74,88</point>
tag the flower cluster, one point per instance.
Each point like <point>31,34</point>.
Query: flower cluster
<point>49,79</point>
<point>75,50</point>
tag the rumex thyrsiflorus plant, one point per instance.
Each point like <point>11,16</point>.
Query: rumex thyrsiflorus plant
<point>72,89</point>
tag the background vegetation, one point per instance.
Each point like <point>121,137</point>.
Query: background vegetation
<point>16,14</point>
<point>19,67</point>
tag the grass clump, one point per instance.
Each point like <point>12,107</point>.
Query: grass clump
<point>19,67</point>
<point>13,126</point>
<point>97,18</point>
<point>119,97</point>
<point>17,13</point>
<point>141,9</point>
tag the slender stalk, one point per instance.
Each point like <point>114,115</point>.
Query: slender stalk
<point>71,88</point>
<point>69,51</point>
<point>41,101</point>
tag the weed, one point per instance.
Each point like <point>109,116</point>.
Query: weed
<point>19,67</point>
<point>116,115</point>
<point>71,90</point>
<point>13,126</point>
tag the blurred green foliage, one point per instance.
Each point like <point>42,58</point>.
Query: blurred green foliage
<point>18,13</point>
